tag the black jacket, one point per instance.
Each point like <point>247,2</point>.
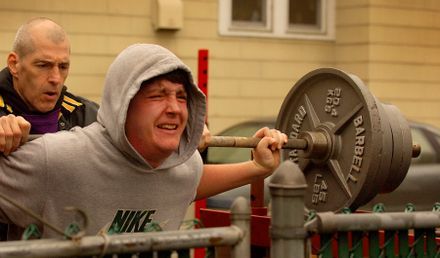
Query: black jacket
<point>75,111</point>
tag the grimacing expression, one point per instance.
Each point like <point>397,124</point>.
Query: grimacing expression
<point>39,76</point>
<point>156,119</point>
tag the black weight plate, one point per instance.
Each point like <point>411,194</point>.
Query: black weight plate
<point>339,105</point>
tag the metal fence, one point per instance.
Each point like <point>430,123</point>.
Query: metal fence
<point>393,234</point>
<point>377,234</point>
<point>152,244</point>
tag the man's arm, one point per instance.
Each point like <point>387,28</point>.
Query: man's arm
<point>266,158</point>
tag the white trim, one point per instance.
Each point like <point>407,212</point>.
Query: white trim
<point>278,23</point>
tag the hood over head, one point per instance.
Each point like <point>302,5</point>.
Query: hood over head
<point>134,65</point>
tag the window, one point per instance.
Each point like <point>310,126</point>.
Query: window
<point>303,19</point>
<point>249,14</point>
<point>248,11</point>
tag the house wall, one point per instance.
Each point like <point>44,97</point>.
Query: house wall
<point>392,45</point>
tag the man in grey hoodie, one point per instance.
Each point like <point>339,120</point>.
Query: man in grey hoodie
<point>138,164</point>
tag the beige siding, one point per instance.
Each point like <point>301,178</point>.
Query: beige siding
<point>393,45</point>
<point>404,60</point>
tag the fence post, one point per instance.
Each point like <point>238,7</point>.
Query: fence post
<point>240,217</point>
<point>287,189</point>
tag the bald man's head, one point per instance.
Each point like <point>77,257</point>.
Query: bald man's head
<point>34,30</point>
<point>39,63</point>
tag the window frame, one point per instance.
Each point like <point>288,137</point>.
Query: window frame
<point>277,24</point>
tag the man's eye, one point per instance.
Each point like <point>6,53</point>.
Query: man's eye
<point>154,96</point>
<point>182,97</point>
<point>64,66</point>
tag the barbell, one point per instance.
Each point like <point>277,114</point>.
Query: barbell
<point>349,146</point>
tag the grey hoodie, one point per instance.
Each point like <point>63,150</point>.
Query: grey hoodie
<point>96,169</point>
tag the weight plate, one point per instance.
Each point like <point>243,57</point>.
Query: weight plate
<point>386,158</point>
<point>338,104</point>
<point>402,149</point>
<point>407,148</point>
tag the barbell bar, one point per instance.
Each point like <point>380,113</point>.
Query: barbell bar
<point>313,143</point>
<point>307,142</point>
<point>349,145</point>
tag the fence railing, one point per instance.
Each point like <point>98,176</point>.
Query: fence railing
<point>392,234</point>
<point>377,234</point>
<point>151,244</point>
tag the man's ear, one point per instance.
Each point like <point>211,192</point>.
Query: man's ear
<point>13,63</point>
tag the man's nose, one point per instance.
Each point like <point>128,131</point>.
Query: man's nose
<point>173,104</point>
<point>55,75</point>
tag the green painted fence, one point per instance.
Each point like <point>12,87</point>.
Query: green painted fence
<point>377,234</point>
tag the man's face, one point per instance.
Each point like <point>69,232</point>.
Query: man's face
<point>156,118</point>
<point>40,75</point>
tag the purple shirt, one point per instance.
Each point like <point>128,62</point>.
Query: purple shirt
<point>46,123</point>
